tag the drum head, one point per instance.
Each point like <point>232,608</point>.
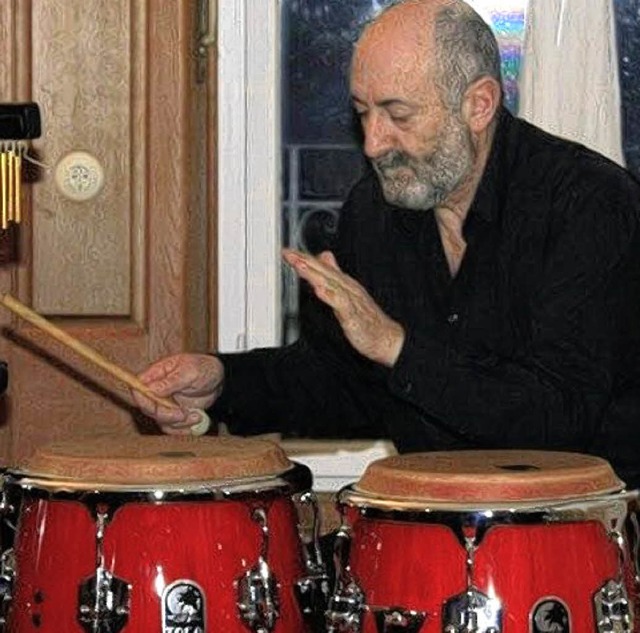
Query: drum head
<point>146,459</point>
<point>467,477</point>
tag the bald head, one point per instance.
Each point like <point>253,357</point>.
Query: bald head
<point>444,39</point>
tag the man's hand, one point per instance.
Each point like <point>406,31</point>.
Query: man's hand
<point>369,330</point>
<point>194,381</point>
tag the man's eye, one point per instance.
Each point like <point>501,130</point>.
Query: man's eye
<point>399,118</point>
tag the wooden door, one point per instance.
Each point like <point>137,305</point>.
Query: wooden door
<point>130,270</point>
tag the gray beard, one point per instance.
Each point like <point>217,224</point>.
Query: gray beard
<point>425,182</point>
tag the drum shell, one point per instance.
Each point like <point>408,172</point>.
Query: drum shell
<point>211,540</point>
<point>416,559</point>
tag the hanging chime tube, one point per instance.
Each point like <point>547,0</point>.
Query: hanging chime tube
<point>19,122</point>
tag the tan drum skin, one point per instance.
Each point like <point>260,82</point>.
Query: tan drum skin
<point>468,477</point>
<point>147,459</point>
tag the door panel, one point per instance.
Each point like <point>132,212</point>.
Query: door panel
<point>129,271</point>
<point>84,55</point>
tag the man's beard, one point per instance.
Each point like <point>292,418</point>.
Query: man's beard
<point>425,182</point>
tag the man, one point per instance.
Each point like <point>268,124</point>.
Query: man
<point>484,290</point>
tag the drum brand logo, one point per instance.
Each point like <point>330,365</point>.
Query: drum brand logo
<point>183,608</point>
<point>550,616</point>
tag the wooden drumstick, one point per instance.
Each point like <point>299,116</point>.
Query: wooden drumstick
<point>97,359</point>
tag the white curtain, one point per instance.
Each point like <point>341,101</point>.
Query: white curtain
<point>569,77</point>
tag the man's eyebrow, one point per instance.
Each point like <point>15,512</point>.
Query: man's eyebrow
<point>385,103</point>
<point>388,103</point>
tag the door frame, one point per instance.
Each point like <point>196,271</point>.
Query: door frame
<point>249,169</point>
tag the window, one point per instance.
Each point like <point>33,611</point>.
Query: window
<point>261,202</point>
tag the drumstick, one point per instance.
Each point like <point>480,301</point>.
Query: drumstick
<point>96,358</point>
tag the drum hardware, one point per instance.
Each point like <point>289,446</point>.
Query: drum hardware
<point>481,520</point>
<point>346,606</point>
<point>103,599</point>
<point>7,576</point>
<point>313,590</point>
<point>610,512</point>
<point>8,513</point>
<point>399,620</point>
<point>7,558</point>
<point>613,611</point>
<point>5,505</point>
<point>96,495</point>
<point>472,611</point>
<point>634,531</point>
<point>258,601</point>
<point>344,613</point>
<point>459,522</point>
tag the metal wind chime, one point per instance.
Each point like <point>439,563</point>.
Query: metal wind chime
<point>19,123</point>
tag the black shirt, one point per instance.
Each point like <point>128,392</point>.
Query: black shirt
<point>534,344</point>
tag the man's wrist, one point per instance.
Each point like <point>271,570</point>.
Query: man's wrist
<point>393,343</point>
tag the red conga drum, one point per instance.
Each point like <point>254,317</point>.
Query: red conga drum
<point>166,534</point>
<point>486,542</point>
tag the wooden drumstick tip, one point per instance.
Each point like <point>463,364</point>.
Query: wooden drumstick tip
<point>201,427</point>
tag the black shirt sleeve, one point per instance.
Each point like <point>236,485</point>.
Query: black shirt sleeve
<point>316,387</point>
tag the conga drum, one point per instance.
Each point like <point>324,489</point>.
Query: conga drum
<point>166,534</point>
<point>486,542</point>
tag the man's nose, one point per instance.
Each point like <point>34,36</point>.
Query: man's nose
<point>377,137</point>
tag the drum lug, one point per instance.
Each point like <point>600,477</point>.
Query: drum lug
<point>103,603</point>
<point>5,505</point>
<point>103,599</point>
<point>258,598</point>
<point>313,594</point>
<point>613,613</point>
<point>7,576</point>
<point>258,601</point>
<point>399,620</point>
<point>472,612</point>
<point>344,613</point>
<point>312,591</point>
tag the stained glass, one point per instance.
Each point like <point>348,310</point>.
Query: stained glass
<point>507,19</point>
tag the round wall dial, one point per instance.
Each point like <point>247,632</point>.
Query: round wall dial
<point>79,176</point>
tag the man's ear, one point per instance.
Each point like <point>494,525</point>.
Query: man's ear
<point>481,101</point>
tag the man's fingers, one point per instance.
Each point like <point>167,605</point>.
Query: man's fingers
<point>166,379</point>
<point>363,321</point>
<point>328,258</point>
<point>177,430</point>
<point>317,272</point>
<point>158,412</point>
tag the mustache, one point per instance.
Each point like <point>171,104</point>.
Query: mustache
<point>392,160</point>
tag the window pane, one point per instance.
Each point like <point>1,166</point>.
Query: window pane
<point>628,33</point>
